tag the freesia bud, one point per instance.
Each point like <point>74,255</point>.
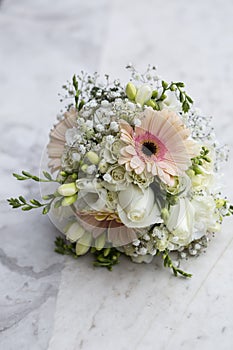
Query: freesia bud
<point>74,232</point>
<point>83,245</point>
<point>100,241</point>
<point>69,200</point>
<point>151,103</point>
<point>67,189</point>
<point>131,91</point>
<point>220,203</point>
<point>93,157</point>
<point>103,166</point>
<point>144,94</point>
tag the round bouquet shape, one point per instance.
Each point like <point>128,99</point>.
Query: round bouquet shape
<point>135,171</point>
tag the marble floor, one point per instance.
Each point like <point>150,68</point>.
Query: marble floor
<point>51,302</point>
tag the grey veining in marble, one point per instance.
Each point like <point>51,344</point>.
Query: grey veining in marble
<point>55,303</point>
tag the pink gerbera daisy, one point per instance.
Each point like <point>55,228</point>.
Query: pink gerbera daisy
<point>159,146</point>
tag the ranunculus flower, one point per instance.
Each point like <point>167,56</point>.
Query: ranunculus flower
<point>111,150</point>
<point>181,222</point>
<point>138,208</point>
<point>119,178</point>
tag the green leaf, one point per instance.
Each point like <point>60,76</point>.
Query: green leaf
<point>189,99</point>
<point>185,106</point>
<point>180,84</point>
<point>48,196</point>
<point>47,175</point>
<point>75,82</point>
<point>58,203</point>
<point>27,207</point>
<point>22,199</point>
<point>81,104</point>
<point>181,97</point>
<point>35,202</point>
<point>46,209</point>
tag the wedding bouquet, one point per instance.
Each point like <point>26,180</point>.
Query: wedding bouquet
<point>136,172</point>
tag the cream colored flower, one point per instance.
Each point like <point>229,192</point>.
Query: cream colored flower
<point>137,208</point>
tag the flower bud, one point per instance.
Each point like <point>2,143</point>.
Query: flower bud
<point>74,232</point>
<point>197,170</point>
<point>83,245</point>
<point>164,84</point>
<point>155,93</point>
<point>173,87</point>
<point>103,167</point>
<point>69,200</point>
<point>144,94</point>
<point>74,176</point>
<point>100,241</point>
<point>131,91</point>
<point>93,157</point>
<point>151,103</point>
<point>84,167</point>
<point>67,189</point>
<point>220,203</point>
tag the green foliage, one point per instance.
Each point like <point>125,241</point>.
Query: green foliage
<point>25,205</point>
<point>21,202</point>
<point>199,160</point>
<point>106,257</point>
<point>27,176</point>
<point>65,248</point>
<point>169,263</point>
<point>185,100</point>
<point>76,91</point>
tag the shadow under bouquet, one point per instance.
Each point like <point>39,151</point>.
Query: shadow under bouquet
<point>134,170</point>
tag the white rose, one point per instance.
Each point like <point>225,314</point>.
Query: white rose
<point>181,222</point>
<point>137,208</point>
<point>116,179</point>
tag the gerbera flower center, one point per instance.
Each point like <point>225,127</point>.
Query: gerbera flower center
<point>149,148</point>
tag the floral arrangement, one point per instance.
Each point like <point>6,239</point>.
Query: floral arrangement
<point>136,172</point>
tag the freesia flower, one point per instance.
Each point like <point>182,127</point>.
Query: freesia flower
<point>143,94</point>
<point>159,146</point>
<point>91,195</point>
<point>138,208</point>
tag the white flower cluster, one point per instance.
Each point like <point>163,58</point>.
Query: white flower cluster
<point>144,161</point>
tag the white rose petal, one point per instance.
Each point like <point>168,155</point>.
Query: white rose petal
<point>181,221</point>
<point>137,208</point>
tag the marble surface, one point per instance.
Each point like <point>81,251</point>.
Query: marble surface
<point>51,302</point>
